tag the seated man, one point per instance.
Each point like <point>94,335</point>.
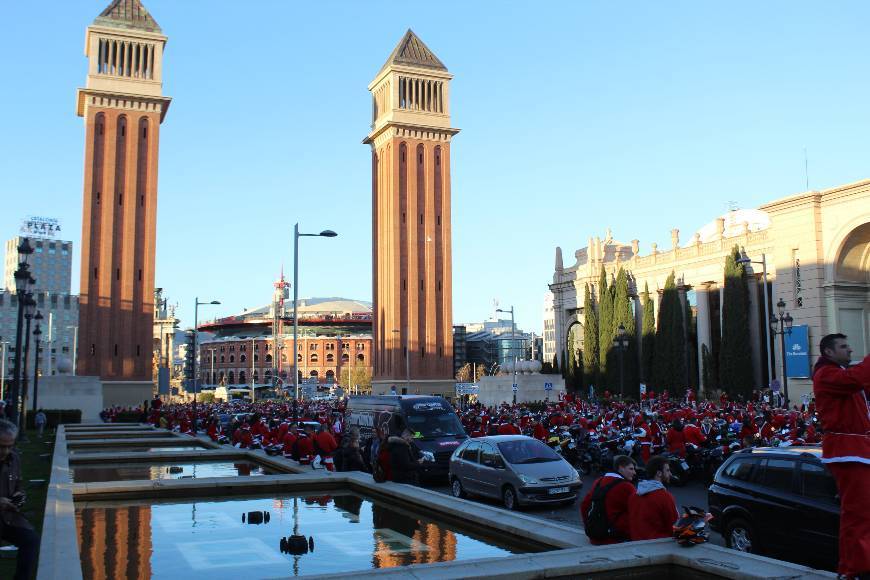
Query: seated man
<point>14,527</point>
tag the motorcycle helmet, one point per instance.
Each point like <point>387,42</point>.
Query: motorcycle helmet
<point>691,528</point>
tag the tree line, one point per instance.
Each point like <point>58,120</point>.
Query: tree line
<point>662,351</point>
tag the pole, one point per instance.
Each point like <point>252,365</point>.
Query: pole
<point>295,317</point>
<point>36,374</point>
<point>253,385</point>
<point>48,365</point>
<point>75,347</point>
<point>766,320</point>
<point>782,353</point>
<point>3,373</point>
<point>23,393</point>
<point>621,373</point>
<point>195,361</point>
<point>16,385</point>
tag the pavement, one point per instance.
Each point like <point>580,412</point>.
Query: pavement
<point>692,494</point>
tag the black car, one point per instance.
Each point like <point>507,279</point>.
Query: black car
<point>778,501</point>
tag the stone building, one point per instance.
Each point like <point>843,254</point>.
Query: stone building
<point>816,246</point>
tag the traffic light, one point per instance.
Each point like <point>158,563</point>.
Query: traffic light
<point>189,361</point>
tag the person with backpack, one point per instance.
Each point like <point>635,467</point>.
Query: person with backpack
<point>605,508</point>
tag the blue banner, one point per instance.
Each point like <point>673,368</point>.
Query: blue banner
<point>797,352</point>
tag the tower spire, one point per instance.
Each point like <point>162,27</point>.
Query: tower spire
<point>127,14</point>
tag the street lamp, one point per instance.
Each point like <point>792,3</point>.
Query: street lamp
<point>620,343</point>
<point>22,280</point>
<point>783,321</point>
<point>296,236</point>
<point>75,353</point>
<point>514,387</point>
<point>196,355</point>
<point>37,333</point>
<point>744,259</point>
<point>20,405</point>
<point>4,344</point>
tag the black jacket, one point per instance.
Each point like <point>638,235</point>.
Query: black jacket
<point>349,458</point>
<point>403,460</point>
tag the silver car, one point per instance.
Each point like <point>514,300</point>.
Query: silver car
<point>515,469</point>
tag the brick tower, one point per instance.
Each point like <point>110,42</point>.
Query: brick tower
<point>123,107</point>
<point>411,261</point>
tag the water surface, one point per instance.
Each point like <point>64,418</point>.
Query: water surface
<point>185,469</point>
<point>209,539</point>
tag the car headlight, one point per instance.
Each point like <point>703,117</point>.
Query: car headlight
<point>528,480</point>
<point>576,475</point>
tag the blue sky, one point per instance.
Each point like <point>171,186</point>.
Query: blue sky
<point>575,117</point>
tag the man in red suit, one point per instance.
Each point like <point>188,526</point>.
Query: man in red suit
<point>653,510</point>
<point>841,395</point>
<point>615,501</point>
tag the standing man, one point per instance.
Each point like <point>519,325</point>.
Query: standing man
<point>14,527</point>
<point>841,400</point>
<point>612,492</point>
<point>653,510</point>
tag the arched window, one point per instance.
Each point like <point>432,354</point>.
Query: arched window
<point>298,358</point>
<point>242,378</point>
<point>345,358</point>
<point>313,373</point>
<point>330,357</point>
<point>361,358</point>
<point>231,378</point>
<point>330,376</point>
<point>223,359</point>
<point>242,358</point>
<point>268,358</point>
<point>232,358</point>
<point>256,357</point>
<point>314,357</point>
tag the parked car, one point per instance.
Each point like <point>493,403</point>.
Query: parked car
<point>515,469</point>
<point>778,501</point>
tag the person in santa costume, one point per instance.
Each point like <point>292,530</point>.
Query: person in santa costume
<point>841,395</point>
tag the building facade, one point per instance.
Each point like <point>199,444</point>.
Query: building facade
<point>123,107</point>
<point>548,343</point>
<point>411,262</point>
<point>816,247</point>
<point>50,263</point>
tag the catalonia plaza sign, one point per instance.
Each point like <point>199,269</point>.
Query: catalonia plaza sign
<point>40,226</point>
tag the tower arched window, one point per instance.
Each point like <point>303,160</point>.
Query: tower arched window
<point>242,358</point>
<point>298,358</point>
<point>242,378</point>
<point>231,378</point>
<point>330,358</point>
<point>314,358</point>
<point>269,358</point>
<point>361,358</point>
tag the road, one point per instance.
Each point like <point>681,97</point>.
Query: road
<point>693,494</point>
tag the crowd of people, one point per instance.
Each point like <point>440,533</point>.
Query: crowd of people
<point>314,433</point>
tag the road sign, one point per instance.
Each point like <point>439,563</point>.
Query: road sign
<point>515,389</point>
<point>548,386</point>
<point>467,389</point>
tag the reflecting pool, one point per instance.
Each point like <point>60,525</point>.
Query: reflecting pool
<point>91,472</point>
<point>265,537</point>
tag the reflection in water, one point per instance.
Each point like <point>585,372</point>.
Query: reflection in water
<point>87,473</point>
<point>206,539</point>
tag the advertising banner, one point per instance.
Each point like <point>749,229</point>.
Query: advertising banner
<point>797,352</point>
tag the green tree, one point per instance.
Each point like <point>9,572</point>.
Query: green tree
<point>574,369</point>
<point>649,336</point>
<point>691,345</point>
<point>623,315</point>
<point>356,379</point>
<point>669,365</point>
<point>590,339</point>
<point>555,365</point>
<point>605,329</point>
<point>735,355</point>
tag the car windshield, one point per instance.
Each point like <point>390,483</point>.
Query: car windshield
<point>427,425</point>
<point>523,451</point>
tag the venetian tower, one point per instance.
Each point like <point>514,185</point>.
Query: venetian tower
<point>411,262</point>
<point>123,107</point>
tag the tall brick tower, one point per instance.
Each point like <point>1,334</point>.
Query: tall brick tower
<point>123,107</point>
<point>411,261</point>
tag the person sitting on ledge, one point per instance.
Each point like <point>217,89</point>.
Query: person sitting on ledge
<point>14,527</point>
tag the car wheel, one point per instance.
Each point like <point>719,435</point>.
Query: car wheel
<point>740,536</point>
<point>456,488</point>
<point>509,498</point>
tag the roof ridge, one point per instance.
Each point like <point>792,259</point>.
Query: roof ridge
<point>127,14</point>
<point>413,52</point>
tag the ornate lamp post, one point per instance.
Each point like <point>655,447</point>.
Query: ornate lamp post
<point>782,321</point>
<point>20,408</point>
<point>22,280</point>
<point>620,343</point>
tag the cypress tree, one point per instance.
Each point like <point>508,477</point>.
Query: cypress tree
<point>691,345</point>
<point>649,336</point>
<point>623,314</point>
<point>570,363</point>
<point>555,364</point>
<point>669,366</point>
<point>590,339</point>
<point>735,355</point>
<point>605,329</point>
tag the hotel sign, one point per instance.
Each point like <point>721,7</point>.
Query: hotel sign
<point>40,226</point>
